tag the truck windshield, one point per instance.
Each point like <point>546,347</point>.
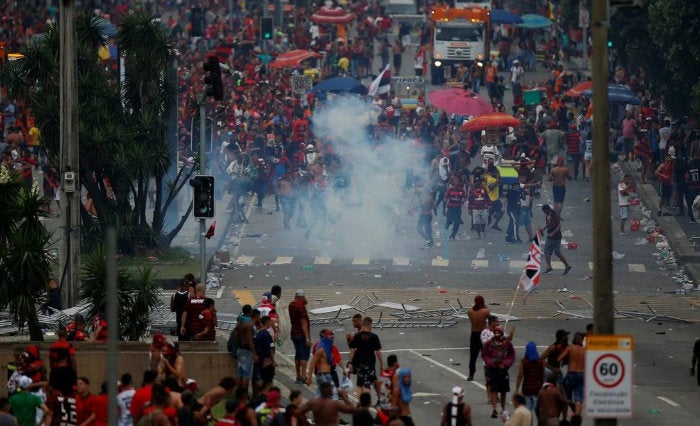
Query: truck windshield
<point>459,34</point>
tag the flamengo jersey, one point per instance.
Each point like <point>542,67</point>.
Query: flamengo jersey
<point>454,196</point>
<point>63,408</point>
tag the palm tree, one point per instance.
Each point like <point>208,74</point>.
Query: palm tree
<point>122,125</point>
<point>137,293</point>
<point>25,264</point>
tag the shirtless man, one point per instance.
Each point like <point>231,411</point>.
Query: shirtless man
<point>246,347</point>
<point>575,373</point>
<point>320,361</point>
<point>558,176</point>
<point>324,408</point>
<point>550,402</point>
<point>477,316</point>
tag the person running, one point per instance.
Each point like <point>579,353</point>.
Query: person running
<point>553,244</point>
<point>456,412</point>
<point>477,317</point>
<point>558,176</point>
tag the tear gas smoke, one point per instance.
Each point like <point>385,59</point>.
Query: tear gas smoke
<point>364,216</point>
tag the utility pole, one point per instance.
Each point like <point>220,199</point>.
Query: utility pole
<point>603,303</point>
<point>69,254</point>
<point>202,100</point>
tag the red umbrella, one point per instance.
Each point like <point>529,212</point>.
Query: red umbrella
<point>332,15</point>
<point>459,101</point>
<point>292,58</point>
<point>577,90</point>
<point>492,119</point>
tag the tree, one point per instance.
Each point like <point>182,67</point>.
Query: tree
<point>655,38</point>
<point>137,293</point>
<point>25,264</point>
<point>122,125</point>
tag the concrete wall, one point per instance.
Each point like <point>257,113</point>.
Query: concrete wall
<point>204,361</point>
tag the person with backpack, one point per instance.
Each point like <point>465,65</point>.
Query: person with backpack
<point>456,412</point>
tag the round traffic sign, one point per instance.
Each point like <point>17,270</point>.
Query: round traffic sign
<point>608,370</point>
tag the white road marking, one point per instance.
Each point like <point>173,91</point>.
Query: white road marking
<point>557,264</point>
<point>670,402</point>
<point>283,260</point>
<point>517,264</point>
<point>245,260</point>
<point>445,367</point>
<point>480,263</point>
<point>220,292</point>
<point>322,260</point>
<point>439,261</point>
<point>590,265</point>
<point>360,261</point>
<point>636,267</point>
<point>401,261</point>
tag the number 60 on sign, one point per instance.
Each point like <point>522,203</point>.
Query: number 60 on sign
<point>608,383</point>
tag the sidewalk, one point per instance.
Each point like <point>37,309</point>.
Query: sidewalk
<point>678,229</point>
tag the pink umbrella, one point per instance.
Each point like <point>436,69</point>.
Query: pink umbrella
<point>459,101</point>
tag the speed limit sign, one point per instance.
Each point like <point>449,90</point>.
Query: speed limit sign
<point>608,381</point>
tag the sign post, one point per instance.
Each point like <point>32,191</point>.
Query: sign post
<point>584,22</point>
<point>608,382</point>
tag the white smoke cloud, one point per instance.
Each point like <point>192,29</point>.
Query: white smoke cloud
<point>365,216</point>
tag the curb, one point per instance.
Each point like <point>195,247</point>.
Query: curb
<point>678,240</point>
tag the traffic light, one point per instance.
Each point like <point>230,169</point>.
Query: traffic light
<point>266,27</point>
<point>203,195</point>
<point>213,85</point>
<point>610,43</point>
<point>198,22</point>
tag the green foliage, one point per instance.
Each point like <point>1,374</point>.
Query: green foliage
<point>122,126</point>
<point>137,293</point>
<point>656,39</point>
<point>25,264</point>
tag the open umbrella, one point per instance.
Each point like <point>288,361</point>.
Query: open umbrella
<point>578,90</point>
<point>292,58</point>
<point>534,22</point>
<point>504,16</point>
<point>492,119</point>
<point>332,15</point>
<point>340,84</point>
<point>459,101</point>
<point>618,94</point>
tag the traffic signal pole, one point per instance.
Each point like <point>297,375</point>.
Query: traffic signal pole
<point>202,171</point>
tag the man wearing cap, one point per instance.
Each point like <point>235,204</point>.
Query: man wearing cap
<point>456,412</point>
<point>553,244</point>
<point>300,334</point>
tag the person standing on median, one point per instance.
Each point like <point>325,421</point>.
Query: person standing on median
<point>300,334</point>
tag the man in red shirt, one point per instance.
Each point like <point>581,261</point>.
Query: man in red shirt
<point>191,321</point>
<point>208,317</point>
<point>62,360</point>
<point>142,396</point>
<point>300,333</point>
<point>85,402</point>
<point>452,208</point>
<point>478,206</point>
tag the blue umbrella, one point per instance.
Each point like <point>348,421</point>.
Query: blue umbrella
<point>504,16</point>
<point>107,27</point>
<point>618,94</point>
<point>534,22</point>
<point>340,84</point>
<point>265,58</point>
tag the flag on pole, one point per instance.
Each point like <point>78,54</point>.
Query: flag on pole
<point>381,84</point>
<point>530,277</point>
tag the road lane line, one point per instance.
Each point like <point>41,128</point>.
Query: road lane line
<point>322,260</point>
<point>636,267</point>
<point>445,367</point>
<point>220,292</point>
<point>283,260</point>
<point>670,402</point>
<point>440,261</point>
<point>401,261</point>
<point>245,297</point>
<point>360,261</point>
